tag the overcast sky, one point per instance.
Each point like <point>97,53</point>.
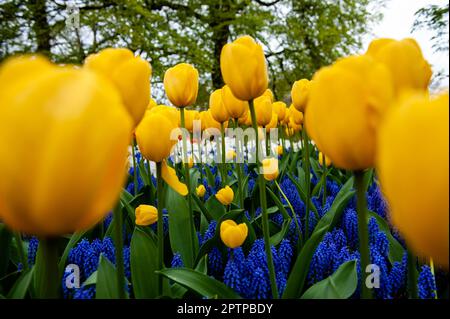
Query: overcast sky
<point>397,23</point>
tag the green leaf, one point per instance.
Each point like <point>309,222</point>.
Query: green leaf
<point>183,239</point>
<point>302,193</point>
<point>215,208</point>
<point>202,284</point>
<point>367,178</point>
<point>202,207</point>
<point>143,252</point>
<point>22,284</point>
<point>106,280</point>
<point>92,280</point>
<point>396,250</point>
<point>340,285</point>
<point>209,176</point>
<point>276,238</point>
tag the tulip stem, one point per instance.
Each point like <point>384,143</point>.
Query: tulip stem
<point>434,277</point>
<point>135,180</point>
<point>307,180</point>
<point>20,250</point>
<point>200,159</point>
<point>412,275</point>
<point>294,215</point>
<point>224,165</point>
<point>324,181</point>
<point>265,218</point>
<point>187,180</point>
<point>362,231</point>
<point>239,167</point>
<point>160,226</point>
<point>118,238</point>
<point>149,173</point>
<point>46,273</point>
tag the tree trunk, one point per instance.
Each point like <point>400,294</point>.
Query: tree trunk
<point>41,29</point>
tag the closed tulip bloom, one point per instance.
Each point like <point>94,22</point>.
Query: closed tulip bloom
<point>293,125</point>
<point>263,110</point>
<point>244,68</point>
<point>321,158</point>
<point>273,122</point>
<point>130,74</point>
<point>200,190</point>
<point>404,58</point>
<point>170,177</point>
<point>151,104</point>
<point>300,93</point>
<point>232,234</point>
<point>190,117</point>
<point>416,183</point>
<point>210,121</point>
<point>279,108</point>
<point>279,150</point>
<point>181,84</point>
<point>296,115</point>
<point>146,215</point>
<point>75,126</point>
<point>270,168</point>
<point>217,107</point>
<point>244,118</point>
<point>225,195</point>
<point>172,113</point>
<point>235,107</point>
<point>231,155</point>
<point>154,134</point>
<point>346,103</point>
<point>269,94</point>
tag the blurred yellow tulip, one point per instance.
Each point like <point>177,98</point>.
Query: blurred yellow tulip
<point>181,84</point>
<point>300,93</point>
<point>273,122</point>
<point>404,59</point>
<point>217,107</point>
<point>146,215</point>
<point>270,168</point>
<point>327,159</point>
<point>130,74</point>
<point>235,107</point>
<point>232,234</point>
<point>151,104</point>
<point>170,177</point>
<point>279,108</point>
<point>225,195</point>
<point>190,117</point>
<point>263,110</point>
<point>413,166</point>
<point>244,68</point>
<point>279,150</point>
<point>76,128</point>
<point>346,103</point>
<point>200,190</point>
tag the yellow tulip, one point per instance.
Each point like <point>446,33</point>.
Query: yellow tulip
<point>232,234</point>
<point>170,177</point>
<point>346,103</point>
<point>231,155</point>
<point>235,107</point>
<point>299,94</point>
<point>269,94</point>
<point>225,195</point>
<point>244,68</point>
<point>409,70</point>
<point>280,150</point>
<point>263,110</point>
<point>190,162</point>
<point>151,104</point>
<point>201,190</point>
<point>273,122</point>
<point>210,121</point>
<point>153,134</point>
<point>130,74</point>
<point>146,215</point>
<point>296,115</point>
<point>279,108</point>
<point>181,84</point>
<point>416,183</point>
<point>294,126</point>
<point>289,131</point>
<point>270,168</point>
<point>217,107</point>
<point>190,117</point>
<point>327,159</point>
<point>243,120</point>
<point>172,113</point>
<point>74,125</point>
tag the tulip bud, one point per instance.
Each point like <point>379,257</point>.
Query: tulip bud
<point>416,184</point>
<point>77,129</point>
<point>270,168</point>
<point>146,215</point>
<point>299,94</point>
<point>273,122</point>
<point>225,195</point>
<point>201,190</point>
<point>217,107</point>
<point>327,159</point>
<point>296,115</point>
<point>263,110</point>
<point>153,134</point>
<point>244,68</point>
<point>354,90</point>
<point>190,117</point>
<point>243,119</point>
<point>409,70</point>
<point>279,108</point>
<point>279,150</point>
<point>181,84</point>
<point>231,155</point>
<point>232,234</point>
<point>130,74</point>
<point>235,107</point>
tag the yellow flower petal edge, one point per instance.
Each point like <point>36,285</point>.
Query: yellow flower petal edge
<point>170,177</point>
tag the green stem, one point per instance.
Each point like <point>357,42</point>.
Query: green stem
<point>160,224</point>
<point>200,159</point>
<point>118,238</point>
<point>412,275</point>
<point>47,279</point>
<point>135,180</point>
<point>307,180</point>
<point>362,230</point>
<point>267,144</point>
<point>239,167</point>
<point>224,165</point>
<point>265,218</point>
<point>187,180</point>
<point>324,181</point>
<point>294,215</point>
<point>20,250</point>
<point>149,173</point>
<point>434,277</point>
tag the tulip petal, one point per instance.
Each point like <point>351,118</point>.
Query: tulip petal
<point>171,178</point>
